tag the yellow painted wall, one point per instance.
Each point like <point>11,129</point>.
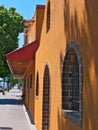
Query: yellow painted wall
<point>39,20</point>
<point>36,28</point>
<point>34,32</point>
<point>30,92</point>
<point>71,20</point>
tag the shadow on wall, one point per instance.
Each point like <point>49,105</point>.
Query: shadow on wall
<point>80,25</point>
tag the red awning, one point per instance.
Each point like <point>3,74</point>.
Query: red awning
<point>27,52</point>
<point>20,59</point>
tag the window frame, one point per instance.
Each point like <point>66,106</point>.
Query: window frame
<point>72,115</point>
<point>48,17</point>
<point>37,84</point>
<point>30,81</point>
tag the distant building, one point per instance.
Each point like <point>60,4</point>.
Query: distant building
<point>3,84</point>
<point>59,65</point>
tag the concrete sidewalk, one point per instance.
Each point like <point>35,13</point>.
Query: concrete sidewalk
<point>29,118</point>
<point>13,114</point>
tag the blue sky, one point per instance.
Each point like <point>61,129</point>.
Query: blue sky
<point>25,7</point>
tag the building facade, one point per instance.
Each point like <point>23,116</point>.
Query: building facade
<point>60,78</point>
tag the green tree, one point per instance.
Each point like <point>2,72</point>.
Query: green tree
<point>11,24</point>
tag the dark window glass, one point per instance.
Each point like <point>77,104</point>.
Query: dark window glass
<point>30,81</point>
<point>37,84</point>
<point>70,82</point>
<point>48,16</point>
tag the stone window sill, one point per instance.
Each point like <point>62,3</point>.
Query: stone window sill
<point>73,116</point>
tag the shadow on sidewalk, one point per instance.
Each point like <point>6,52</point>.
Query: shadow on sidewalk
<point>29,115</point>
<point>16,102</point>
<point>11,102</point>
<point>6,128</point>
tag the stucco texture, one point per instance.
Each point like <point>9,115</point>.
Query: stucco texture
<point>76,21</point>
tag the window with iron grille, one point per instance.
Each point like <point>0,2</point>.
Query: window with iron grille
<point>24,83</point>
<point>46,99</point>
<point>72,84</point>
<point>30,81</point>
<point>37,84</point>
<point>48,16</point>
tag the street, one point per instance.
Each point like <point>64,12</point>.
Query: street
<point>13,115</point>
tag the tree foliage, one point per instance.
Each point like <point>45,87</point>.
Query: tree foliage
<point>11,24</point>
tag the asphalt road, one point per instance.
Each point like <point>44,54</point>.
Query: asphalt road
<point>13,115</point>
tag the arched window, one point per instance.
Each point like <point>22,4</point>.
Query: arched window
<point>72,83</point>
<point>37,84</point>
<point>46,99</point>
<point>48,16</point>
<point>30,78</point>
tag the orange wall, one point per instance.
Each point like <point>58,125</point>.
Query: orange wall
<point>39,20</point>
<point>30,92</point>
<point>34,32</point>
<point>70,21</point>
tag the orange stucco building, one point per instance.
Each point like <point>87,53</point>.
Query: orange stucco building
<point>59,67</point>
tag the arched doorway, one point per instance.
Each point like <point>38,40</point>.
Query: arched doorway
<point>46,99</point>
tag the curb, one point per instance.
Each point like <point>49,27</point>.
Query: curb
<point>29,118</point>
